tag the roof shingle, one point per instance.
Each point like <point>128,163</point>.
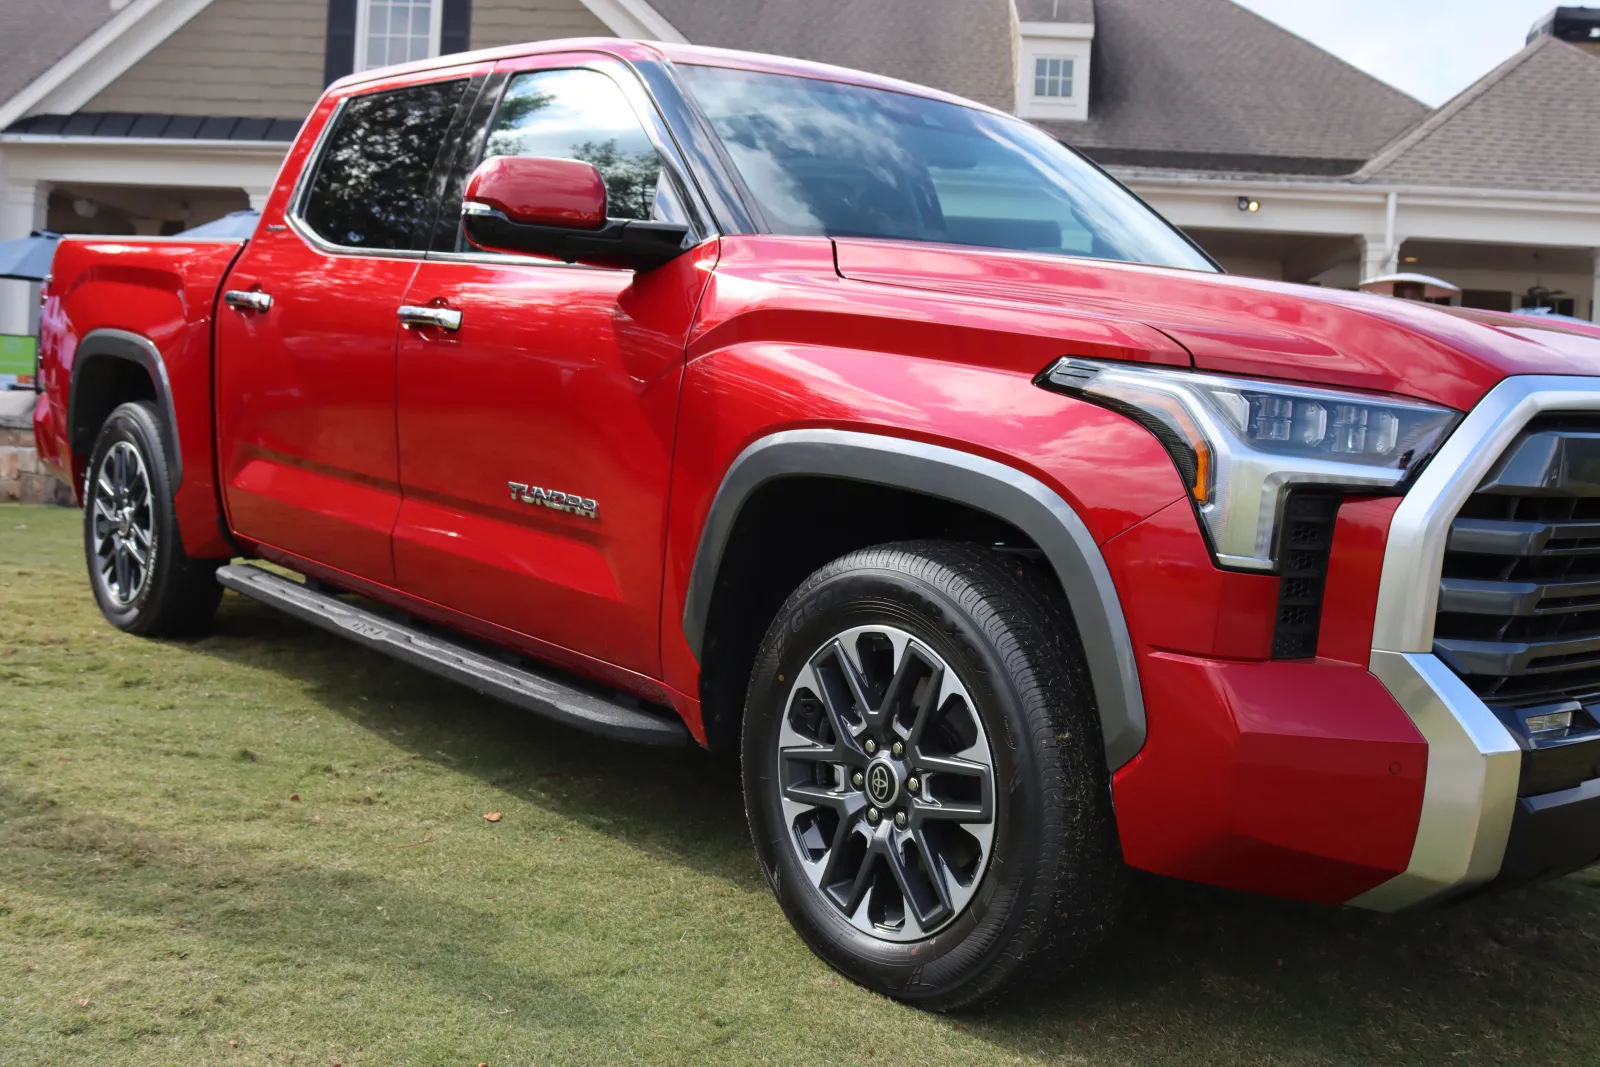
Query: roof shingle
<point>37,34</point>
<point>1529,124</point>
<point>1210,85</point>
<point>959,46</point>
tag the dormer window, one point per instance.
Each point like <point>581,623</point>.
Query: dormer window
<point>1053,69</point>
<point>396,31</point>
<point>1052,78</point>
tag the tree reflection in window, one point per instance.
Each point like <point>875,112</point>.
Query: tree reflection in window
<point>371,186</point>
<point>582,114</point>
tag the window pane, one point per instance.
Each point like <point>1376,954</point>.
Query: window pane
<point>840,160</point>
<point>371,186</point>
<point>581,114</point>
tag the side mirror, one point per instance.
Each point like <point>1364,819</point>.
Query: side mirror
<point>557,208</point>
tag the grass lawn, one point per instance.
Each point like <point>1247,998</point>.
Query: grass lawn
<point>165,898</point>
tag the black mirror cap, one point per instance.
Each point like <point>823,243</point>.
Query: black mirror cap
<point>626,243</point>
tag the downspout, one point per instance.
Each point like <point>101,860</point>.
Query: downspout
<point>1391,248</point>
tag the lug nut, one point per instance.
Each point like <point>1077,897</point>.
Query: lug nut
<point>856,779</point>
<point>872,814</point>
<point>871,746</point>
<point>898,749</point>
<point>912,785</point>
<point>900,819</point>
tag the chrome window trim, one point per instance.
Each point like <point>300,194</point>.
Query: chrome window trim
<point>1474,764</point>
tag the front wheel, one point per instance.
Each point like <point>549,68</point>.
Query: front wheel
<point>924,774</point>
<point>143,581</point>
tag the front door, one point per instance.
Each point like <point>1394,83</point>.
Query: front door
<point>536,436</point>
<point>305,357</point>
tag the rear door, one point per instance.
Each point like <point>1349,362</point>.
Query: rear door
<point>536,437</point>
<point>306,337</point>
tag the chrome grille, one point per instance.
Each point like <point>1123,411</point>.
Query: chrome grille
<point>1519,596</point>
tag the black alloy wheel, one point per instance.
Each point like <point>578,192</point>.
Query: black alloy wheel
<point>924,775</point>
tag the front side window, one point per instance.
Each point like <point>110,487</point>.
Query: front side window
<point>826,158</point>
<point>396,31</point>
<point>582,114</point>
<point>371,186</point>
<point>1052,78</point>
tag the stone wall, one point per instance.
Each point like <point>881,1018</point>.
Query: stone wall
<point>22,476</point>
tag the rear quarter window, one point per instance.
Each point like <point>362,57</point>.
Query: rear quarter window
<point>371,187</point>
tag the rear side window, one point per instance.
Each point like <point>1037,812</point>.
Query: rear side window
<point>371,187</point>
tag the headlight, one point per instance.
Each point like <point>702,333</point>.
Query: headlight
<point>1239,444</point>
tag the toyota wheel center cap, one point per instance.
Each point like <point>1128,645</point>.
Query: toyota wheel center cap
<point>883,782</point>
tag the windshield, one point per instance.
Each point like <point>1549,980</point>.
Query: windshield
<point>840,160</point>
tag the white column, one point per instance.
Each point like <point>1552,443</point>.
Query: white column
<point>22,210</point>
<point>1375,256</point>
<point>1594,292</point>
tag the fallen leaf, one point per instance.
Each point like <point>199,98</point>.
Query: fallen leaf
<point>492,816</point>
<point>294,796</point>
<point>485,996</point>
<point>561,837</point>
<point>503,1011</point>
<point>233,1044</point>
<point>83,1003</point>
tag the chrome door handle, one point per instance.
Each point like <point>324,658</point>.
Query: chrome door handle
<point>248,300</point>
<point>443,318</point>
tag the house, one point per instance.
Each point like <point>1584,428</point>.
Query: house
<point>147,116</point>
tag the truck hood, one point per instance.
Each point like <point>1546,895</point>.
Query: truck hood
<point>1247,326</point>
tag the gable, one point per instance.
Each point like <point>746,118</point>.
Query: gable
<point>236,57</point>
<point>266,60</point>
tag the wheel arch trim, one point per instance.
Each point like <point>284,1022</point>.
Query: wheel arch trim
<point>133,348</point>
<point>963,478</point>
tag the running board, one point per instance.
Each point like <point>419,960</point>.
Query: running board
<point>539,693</point>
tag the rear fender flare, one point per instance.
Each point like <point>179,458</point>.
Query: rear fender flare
<point>120,344</point>
<point>964,478</point>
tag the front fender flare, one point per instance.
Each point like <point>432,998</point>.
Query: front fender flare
<point>984,484</point>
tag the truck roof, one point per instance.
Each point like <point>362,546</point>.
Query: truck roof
<point>633,50</point>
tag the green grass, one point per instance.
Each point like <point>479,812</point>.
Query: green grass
<point>154,864</point>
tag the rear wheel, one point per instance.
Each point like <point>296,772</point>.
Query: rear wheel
<point>143,581</point>
<point>924,774</point>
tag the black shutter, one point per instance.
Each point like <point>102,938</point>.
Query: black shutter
<point>455,26</point>
<point>340,57</point>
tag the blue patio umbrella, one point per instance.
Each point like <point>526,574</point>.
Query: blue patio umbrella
<point>28,258</point>
<point>234,224</point>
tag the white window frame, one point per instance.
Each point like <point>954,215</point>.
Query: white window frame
<point>435,22</point>
<point>1069,75</point>
<point>1054,40</point>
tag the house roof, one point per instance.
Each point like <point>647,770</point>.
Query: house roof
<point>1209,85</point>
<point>36,34</point>
<point>1055,10</point>
<point>1500,133</point>
<point>960,46</point>
<point>165,127</point>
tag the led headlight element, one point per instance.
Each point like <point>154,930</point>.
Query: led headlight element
<point>1240,443</point>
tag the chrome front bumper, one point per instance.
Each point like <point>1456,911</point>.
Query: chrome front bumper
<point>1474,762</point>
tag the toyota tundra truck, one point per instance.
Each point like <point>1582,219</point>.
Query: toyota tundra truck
<point>876,439</point>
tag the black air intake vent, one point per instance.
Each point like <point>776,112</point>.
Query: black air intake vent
<point>1303,547</point>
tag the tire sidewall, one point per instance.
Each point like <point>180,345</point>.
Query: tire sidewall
<point>137,425</point>
<point>961,950</point>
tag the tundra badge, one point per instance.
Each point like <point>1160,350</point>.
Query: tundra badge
<point>550,498</point>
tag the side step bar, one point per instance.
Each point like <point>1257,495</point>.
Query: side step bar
<point>539,693</point>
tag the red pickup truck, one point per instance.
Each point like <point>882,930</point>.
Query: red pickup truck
<point>876,438</point>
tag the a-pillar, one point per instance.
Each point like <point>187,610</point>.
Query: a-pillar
<point>22,210</point>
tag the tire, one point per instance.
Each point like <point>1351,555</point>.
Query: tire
<point>128,513</point>
<point>1048,890</point>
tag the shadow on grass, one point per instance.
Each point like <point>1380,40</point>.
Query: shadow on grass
<point>1246,978</point>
